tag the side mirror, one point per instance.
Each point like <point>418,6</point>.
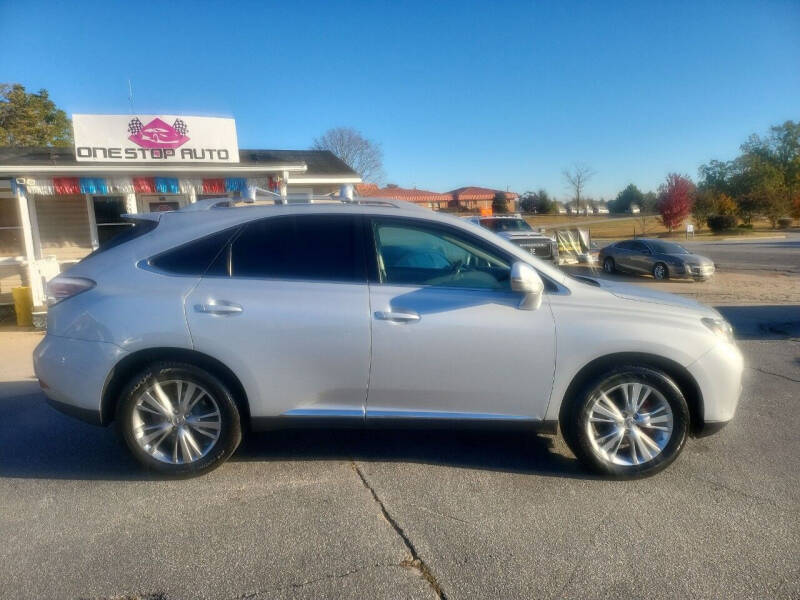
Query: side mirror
<point>526,280</point>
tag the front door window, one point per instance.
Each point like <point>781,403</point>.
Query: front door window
<point>410,254</point>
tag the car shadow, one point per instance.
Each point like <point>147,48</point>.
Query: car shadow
<point>507,451</point>
<point>38,442</point>
<point>763,322</point>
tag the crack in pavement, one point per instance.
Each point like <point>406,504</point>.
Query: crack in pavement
<point>416,561</point>
<point>786,377</point>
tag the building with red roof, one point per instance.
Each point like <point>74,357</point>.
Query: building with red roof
<point>465,199</point>
<point>479,198</point>
<point>432,200</point>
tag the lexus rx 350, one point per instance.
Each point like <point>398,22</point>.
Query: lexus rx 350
<point>196,326</point>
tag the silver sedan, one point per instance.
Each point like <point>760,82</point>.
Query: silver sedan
<point>662,260</point>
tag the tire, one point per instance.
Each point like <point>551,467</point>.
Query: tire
<point>608,265</point>
<point>660,271</point>
<point>183,443</point>
<point>627,457</point>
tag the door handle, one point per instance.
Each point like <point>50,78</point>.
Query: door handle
<point>221,307</point>
<point>402,315</point>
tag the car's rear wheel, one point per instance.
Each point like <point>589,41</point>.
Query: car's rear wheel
<point>608,265</point>
<point>632,422</point>
<point>178,419</point>
<point>660,271</point>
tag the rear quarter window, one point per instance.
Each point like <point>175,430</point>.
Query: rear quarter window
<point>196,257</point>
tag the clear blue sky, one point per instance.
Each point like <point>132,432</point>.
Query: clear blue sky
<point>457,93</point>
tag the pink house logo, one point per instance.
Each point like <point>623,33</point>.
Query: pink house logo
<point>157,133</point>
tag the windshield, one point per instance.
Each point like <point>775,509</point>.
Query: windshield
<point>667,248</point>
<point>506,224</point>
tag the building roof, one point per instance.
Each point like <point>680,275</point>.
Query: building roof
<point>480,193</point>
<point>311,163</point>
<point>397,193</point>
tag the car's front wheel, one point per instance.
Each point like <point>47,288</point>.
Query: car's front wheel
<point>608,265</point>
<point>178,419</point>
<point>632,422</point>
<point>660,271</point>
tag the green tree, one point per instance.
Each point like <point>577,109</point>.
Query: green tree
<point>649,203</point>
<point>776,156</point>
<point>544,203</point>
<point>705,205</point>
<point>717,176</point>
<point>28,119</point>
<point>622,203</point>
<point>500,203</point>
<point>536,202</point>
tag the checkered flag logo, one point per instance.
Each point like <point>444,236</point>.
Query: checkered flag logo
<point>180,126</point>
<point>135,126</point>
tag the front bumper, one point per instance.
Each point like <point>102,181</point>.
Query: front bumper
<point>699,272</point>
<point>718,373</point>
<point>72,374</point>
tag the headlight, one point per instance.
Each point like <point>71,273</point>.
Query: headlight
<point>720,327</point>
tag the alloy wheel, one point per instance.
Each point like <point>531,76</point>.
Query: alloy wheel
<point>608,265</point>
<point>629,423</point>
<point>660,271</point>
<point>176,421</point>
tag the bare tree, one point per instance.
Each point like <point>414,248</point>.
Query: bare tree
<point>576,178</point>
<point>364,156</point>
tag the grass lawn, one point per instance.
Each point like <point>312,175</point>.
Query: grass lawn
<point>616,227</point>
<point>602,226</point>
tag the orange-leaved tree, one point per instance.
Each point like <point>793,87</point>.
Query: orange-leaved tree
<point>675,198</point>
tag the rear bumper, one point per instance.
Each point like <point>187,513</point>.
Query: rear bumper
<point>93,417</point>
<point>73,374</point>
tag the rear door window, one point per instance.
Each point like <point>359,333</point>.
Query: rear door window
<point>300,247</point>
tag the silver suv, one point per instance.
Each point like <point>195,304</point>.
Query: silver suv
<point>516,230</point>
<point>197,326</point>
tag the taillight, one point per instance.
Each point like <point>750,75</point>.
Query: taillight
<point>60,288</point>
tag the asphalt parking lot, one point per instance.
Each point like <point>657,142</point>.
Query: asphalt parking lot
<point>339,514</point>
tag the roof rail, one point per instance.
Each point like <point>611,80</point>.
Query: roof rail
<point>225,202</point>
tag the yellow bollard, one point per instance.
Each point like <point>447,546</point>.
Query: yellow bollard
<point>23,305</point>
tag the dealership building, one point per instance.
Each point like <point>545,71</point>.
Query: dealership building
<point>59,204</point>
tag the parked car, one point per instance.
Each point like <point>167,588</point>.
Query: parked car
<point>662,260</point>
<point>518,231</point>
<point>194,327</point>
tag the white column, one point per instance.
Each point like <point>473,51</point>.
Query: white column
<point>130,203</point>
<point>346,191</point>
<point>283,188</point>
<point>92,222</point>
<point>34,278</point>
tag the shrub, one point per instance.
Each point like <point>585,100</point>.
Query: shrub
<point>745,226</point>
<point>717,223</point>
<point>784,223</point>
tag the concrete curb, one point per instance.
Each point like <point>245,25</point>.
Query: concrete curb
<point>739,238</point>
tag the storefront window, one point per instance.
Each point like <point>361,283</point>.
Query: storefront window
<point>108,211</point>
<point>10,228</point>
<point>64,230</point>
